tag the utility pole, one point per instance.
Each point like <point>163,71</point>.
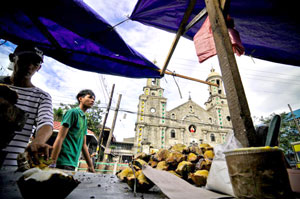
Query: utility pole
<point>107,151</point>
<point>104,122</point>
<point>294,118</point>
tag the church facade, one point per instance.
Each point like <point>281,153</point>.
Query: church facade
<point>188,123</point>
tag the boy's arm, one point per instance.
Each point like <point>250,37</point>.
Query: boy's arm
<point>87,157</point>
<point>63,131</point>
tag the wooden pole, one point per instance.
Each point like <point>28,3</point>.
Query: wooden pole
<point>190,78</point>
<point>112,127</point>
<point>196,19</point>
<point>180,31</point>
<point>238,106</point>
<point>104,122</point>
<point>294,118</point>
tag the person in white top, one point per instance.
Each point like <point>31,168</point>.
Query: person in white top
<point>37,104</point>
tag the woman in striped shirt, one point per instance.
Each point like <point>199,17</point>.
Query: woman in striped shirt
<point>35,102</point>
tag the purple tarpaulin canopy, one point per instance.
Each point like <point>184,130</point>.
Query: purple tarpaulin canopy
<point>72,33</point>
<point>269,29</point>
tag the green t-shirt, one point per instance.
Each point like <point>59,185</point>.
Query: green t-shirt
<point>75,120</point>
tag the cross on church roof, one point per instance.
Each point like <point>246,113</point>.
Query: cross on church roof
<point>190,95</point>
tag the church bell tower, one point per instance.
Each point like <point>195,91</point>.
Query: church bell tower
<point>217,101</point>
<point>151,116</point>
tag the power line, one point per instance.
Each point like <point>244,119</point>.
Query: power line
<point>200,69</point>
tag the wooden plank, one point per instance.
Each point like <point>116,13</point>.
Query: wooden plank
<point>237,102</point>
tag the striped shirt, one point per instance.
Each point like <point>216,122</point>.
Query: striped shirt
<point>38,106</point>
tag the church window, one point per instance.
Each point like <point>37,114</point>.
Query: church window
<point>210,120</point>
<point>153,82</point>
<point>228,118</point>
<point>222,102</point>
<point>173,116</point>
<point>152,110</point>
<point>191,108</point>
<point>220,91</point>
<point>218,82</point>
<point>173,135</point>
<point>212,137</point>
<point>153,93</point>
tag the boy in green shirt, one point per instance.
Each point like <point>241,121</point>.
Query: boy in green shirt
<point>71,138</point>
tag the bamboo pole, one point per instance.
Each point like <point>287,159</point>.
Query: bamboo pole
<point>196,19</point>
<point>180,31</point>
<point>190,78</point>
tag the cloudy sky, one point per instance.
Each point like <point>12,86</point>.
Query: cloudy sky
<point>269,86</point>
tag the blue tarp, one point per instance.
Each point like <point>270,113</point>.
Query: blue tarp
<point>289,116</point>
<point>269,29</point>
<point>72,33</point>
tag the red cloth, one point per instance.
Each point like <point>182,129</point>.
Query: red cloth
<point>205,45</point>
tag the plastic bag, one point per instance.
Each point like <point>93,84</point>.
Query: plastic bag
<point>218,178</point>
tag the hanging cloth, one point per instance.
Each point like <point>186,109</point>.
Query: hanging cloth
<point>205,45</point>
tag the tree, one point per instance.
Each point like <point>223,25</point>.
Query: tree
<point>57,114</point>
<point>93,115</point>
<point>288,131</point>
